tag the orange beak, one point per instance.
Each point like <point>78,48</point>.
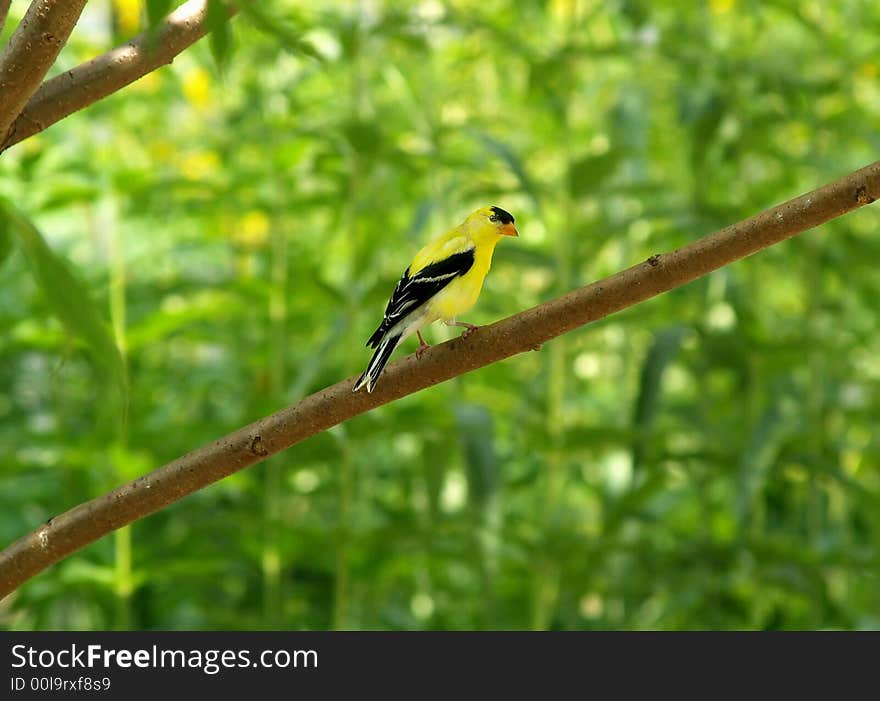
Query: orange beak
<point>508,230</point>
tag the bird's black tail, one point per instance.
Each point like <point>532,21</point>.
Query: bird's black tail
<point>384,349</point>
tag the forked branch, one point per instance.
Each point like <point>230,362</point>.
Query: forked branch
<point>30,53</point>
<point>94,80</point>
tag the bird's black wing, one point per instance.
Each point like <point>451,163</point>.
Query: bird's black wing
<point>412,292</point>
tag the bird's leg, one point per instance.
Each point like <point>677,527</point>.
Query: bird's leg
<point>468,328</point>
<point>422,346</point>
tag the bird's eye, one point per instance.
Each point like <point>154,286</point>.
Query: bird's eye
<point>493,217</point>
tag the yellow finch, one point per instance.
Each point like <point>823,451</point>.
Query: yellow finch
<point>443,281</point>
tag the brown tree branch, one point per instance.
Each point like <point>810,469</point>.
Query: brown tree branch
<point>103,75</point>
<point>30,53</point>
<point>4,10</point>
<point>522,332</point>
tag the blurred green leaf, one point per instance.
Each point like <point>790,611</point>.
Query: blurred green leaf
<point>477,432</point>
<point>588,173</point>
<point>287,30</point>
<point>365,136</point>
<point>516,165</point>
<point>220,36</point>
<point>662,352</point>
<point>68,297</point>
<point>758,458</point>
<point>157,11</point>
<point>7,242</point>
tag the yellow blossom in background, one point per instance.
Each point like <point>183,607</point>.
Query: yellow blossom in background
<point>252,229</point>
<point>161,150</point>
<point>868,70</point>
<point>197,87</point>
<point>197,165</point>
<point>719,7</point>
<point>128,15</point>
<point>865,87</point>
<point>563,9</point>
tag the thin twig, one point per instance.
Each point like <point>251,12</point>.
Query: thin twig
<point>30,53</point>
<point>103,75</point>
<point>522,332</point>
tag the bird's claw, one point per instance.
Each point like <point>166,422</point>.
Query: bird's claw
<point>468,330</point>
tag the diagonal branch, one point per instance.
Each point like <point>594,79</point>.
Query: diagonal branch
<point>103,75</point>
<point>522,332</point>
<point>30,53</point>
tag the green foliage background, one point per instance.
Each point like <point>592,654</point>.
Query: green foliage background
<point>219,239</point>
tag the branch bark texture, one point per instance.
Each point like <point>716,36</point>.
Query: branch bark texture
<point>94,80</point>
<point>30,53</point>
<point>522,332</point>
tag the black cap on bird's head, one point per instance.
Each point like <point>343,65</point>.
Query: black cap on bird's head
<point>504,221</point>
<point>501,215</point>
